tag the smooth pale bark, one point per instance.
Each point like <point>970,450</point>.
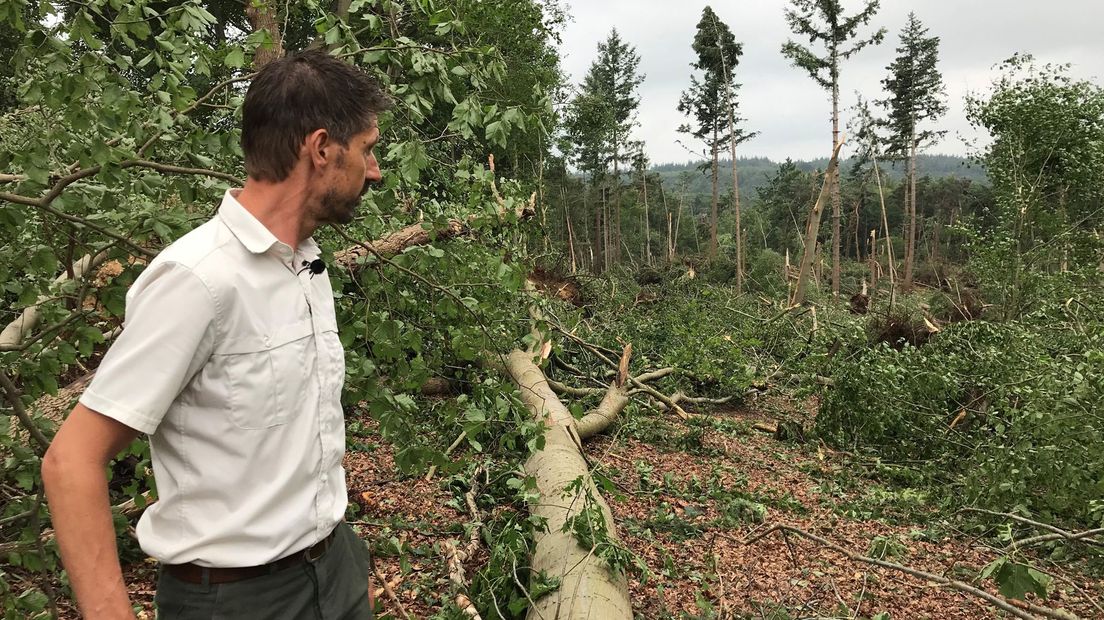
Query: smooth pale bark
<point>17,331</point>
<point>588,589</point>
<point>813,226</point>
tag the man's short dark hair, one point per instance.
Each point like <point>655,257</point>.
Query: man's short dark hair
<point>296,95</point>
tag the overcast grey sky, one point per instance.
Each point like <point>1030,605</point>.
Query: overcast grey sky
<point>782,102</point>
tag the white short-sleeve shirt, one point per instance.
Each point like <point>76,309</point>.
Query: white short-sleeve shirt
<point>231,362</point>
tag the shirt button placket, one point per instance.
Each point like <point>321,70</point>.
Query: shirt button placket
<point>322,496</point>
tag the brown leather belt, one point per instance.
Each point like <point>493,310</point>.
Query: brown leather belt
<point>193,573</point>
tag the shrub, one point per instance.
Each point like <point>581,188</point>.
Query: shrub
<point>1009,406</point>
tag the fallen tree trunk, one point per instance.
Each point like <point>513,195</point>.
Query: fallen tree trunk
<point>17,331</point>
<point>588,587</point>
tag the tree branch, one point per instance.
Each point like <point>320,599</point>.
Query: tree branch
<point>965,588</point>
<point>13,397</point>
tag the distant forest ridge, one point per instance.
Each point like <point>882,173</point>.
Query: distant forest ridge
<point>756,171</point>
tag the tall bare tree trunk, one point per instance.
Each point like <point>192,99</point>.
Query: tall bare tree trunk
<point>647,225</point>
<point>716,198</point>
<point>835,186</point>
<point>597,262</point>
<point>570,240</point>
<point>616,205</point>
<point>888,237</point>
<point>678,222</point>
<point>667,254</point>
<point>736,210</point>
<point>812,226</point>
<point>735,178</point>
<point>872,259</point>
<point>910,241</point>
<point>606,232</point>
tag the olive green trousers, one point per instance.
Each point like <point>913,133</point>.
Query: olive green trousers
<point>334,587</point>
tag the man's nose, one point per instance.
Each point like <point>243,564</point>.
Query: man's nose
<point>372,173</point>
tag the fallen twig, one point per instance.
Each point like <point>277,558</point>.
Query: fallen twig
<point>1010,607</point>
<point>1057,533</point>
<point>455,443</point>
<point>387,588</point>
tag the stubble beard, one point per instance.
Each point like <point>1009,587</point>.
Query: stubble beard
<point>337,209</point>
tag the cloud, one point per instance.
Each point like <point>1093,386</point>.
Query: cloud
<point>782,102</point>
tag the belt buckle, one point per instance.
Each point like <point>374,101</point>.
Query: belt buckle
<point>319,548</point>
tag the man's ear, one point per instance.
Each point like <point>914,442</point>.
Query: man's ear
<point>318,148</point>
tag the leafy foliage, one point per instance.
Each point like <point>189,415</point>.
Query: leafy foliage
<point>135,139</point>
<point>995,403</point>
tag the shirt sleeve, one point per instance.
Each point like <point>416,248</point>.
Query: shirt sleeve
<point>168,335</point>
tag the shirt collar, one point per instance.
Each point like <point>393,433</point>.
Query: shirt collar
<point>251,232</point>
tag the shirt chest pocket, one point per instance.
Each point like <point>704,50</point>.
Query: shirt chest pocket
<point>268,374</point>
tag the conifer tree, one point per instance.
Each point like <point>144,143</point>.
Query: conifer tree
<point>599,123</point>
<point>916,95</point>
<point>711,103</point>
<point>823,21</point>
<point>614,76</point>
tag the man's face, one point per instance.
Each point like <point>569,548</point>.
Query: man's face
<point>354,170</point>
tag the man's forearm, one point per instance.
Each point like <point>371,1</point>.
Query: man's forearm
<point>81,513</point>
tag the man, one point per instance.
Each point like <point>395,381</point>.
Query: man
<point>231,362</point>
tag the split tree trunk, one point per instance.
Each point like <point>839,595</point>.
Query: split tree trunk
<point>588,589</point>
<point>571,244</point>
<point>812,226</point>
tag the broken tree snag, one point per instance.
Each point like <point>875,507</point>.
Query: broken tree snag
<point>813,226</point>
<point>598,419</point>
<point>588,587</point>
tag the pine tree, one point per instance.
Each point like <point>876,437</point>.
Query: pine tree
<point>916,95</point>
<point>598,123</point>
<point>824,21</point>
<point>614,77</point>
<point>711,102</point>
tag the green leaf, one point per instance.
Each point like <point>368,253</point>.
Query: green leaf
<point>235,58</point>
<point>1016,580</point>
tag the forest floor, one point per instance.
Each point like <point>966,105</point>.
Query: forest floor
<point>692,497</point>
